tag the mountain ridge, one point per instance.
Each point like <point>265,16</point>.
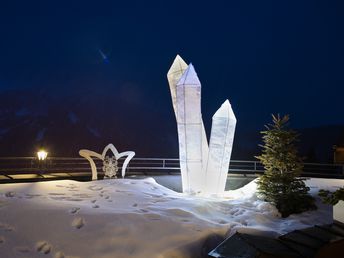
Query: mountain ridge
<point>63,125</point>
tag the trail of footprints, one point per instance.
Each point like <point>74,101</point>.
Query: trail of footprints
<point>44,247</point>
<point>4,228</point>
<point>78,222</point>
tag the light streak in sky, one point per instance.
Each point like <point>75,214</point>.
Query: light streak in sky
<point>104,57</point>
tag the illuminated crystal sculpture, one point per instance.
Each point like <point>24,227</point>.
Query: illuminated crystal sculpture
<point>190,127</point>
<point>190,167</point>
<point>202,171</point>
<point>220,149</point>
<point>87,154</point>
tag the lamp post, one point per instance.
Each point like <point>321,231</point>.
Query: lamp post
<point>41,155</point>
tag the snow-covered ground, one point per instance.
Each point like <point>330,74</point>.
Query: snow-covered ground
<point>135,218</point>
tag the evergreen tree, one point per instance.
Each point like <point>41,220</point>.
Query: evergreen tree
<point>280,184</point>
<point>332,197</point>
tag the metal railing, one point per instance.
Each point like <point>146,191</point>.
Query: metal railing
<point>66,167</point>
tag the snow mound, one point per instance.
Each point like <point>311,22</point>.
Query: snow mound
<point>135,218</point>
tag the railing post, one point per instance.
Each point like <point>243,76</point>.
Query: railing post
<point>33,162</point>
<point>163,163</point>
<point>255,166</point>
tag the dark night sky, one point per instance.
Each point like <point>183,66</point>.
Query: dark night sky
<point>264,56</point>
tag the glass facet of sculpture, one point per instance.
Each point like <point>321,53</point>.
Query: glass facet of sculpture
<point>197,164</point>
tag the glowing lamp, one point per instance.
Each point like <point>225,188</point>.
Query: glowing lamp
<point>42,155</point>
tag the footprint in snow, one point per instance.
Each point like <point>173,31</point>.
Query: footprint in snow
<point>179,212</point>
<point>57,194</point>
<point>135,205</point>
<point>78,223</point>
<point>152,216</point>
<point>155,195</point>
<point>95,206</point>
<point>159,200</point>
<point>72,187</point>
<point>10,194</point>
<point>59,185</point>
<point>22,249</point>
<point>6,227</point>
<point>81,195</point>
<point>239,212</point>
<point>243,222</point>
<point>143,210</point>
<point>73,199</point>
<point>43,247</point>
<point>59,255</point>
<point>58,198</point>
<point>32,195</point>
<point>121,191</point>
<point>236,212</point>
<point>95,188</point>
<point>74,210</point>
<point>93,201</point>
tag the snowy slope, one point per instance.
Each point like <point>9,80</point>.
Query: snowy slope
<point>134,218</point>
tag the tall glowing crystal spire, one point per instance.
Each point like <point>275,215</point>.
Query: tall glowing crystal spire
<point>220,149</point>
<point>174,75</point>
<point>176,71</point>
<point>189,122</point>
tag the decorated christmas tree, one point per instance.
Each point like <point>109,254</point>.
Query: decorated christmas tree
<point>280,184</point>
